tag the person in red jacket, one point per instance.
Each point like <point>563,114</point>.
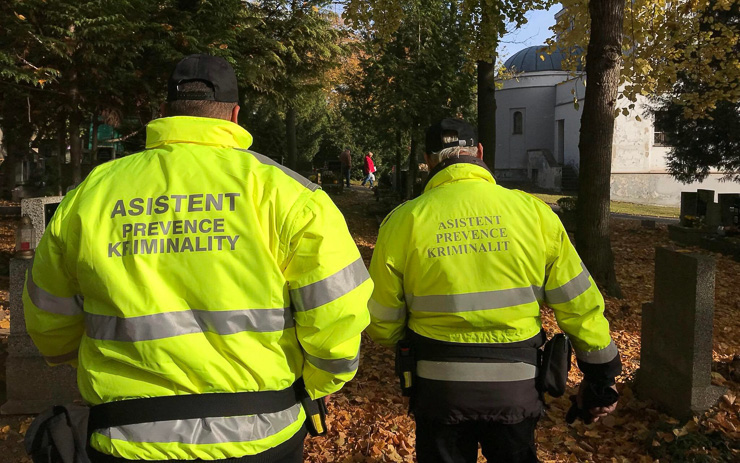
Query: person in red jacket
<point>369,169</point>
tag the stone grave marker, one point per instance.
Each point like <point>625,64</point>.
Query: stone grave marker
<point>32,385</point>
<point>703,199</point>
<point>713,219</point>
<point>689,202</point>
<point>676,353</point>
<point>729,203</point>
<point>40,210</point>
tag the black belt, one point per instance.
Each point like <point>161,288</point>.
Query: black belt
<point>429,349</point>
<point>183,407</point>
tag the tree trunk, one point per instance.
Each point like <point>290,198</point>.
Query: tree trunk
<point>62,146</point>
<point>75,146</point>
<point>603,64</point>
<point>487,89</point>
<point>290,137</point>
<point>94,141</point>
<point>17,133</point>
<point>17,150</point>
<point>399,157</point>
<point>75,121</point>
<point>487,112</point>
<point>413,165</point>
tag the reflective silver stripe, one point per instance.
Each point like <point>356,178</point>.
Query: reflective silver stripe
<point>330,288</point>
<point>468,302</point>
<point>604,355</point>
<point>386,314</point>
<point>62,358</point>
<point>47,302</point>
<point>475,372</point>
<point>169,324</point>
<point>337,366</point>
<point>295,176</point>
<point>570,290</point>
<point>219,430</point>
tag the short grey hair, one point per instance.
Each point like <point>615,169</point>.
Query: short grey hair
<point>452,152</point>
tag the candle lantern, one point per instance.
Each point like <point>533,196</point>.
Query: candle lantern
<point>25,239</point>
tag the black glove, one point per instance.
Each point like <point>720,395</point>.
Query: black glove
<point>594,396</point>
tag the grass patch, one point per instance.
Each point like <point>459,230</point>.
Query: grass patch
<point>623,208</point>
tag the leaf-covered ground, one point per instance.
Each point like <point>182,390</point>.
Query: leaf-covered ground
<point>368,420</point>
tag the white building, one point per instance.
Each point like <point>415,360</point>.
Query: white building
<point>537,133</point>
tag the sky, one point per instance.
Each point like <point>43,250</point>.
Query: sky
<point>535,32</point>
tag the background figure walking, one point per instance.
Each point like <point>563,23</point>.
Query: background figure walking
<point>369,169</point>
<point>346,159</point>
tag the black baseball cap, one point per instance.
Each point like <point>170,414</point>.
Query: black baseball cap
<point>214,71</point>
<point>465,133</point>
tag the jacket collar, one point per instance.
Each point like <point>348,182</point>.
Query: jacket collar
<point>196,130</point>
<point>458,168</point>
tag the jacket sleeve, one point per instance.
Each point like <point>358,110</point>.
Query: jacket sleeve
<point>51,299</point>
<point>387,305</point>
<point>329,288</point>
<point>579,309</point>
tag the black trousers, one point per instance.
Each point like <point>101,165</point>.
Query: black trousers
<point>346,171</point>
<point>290,451</point>
<point>458,443</point>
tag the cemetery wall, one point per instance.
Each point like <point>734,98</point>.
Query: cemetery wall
<point>661,189</point>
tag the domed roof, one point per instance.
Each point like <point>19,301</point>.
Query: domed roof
<point>534,59</point>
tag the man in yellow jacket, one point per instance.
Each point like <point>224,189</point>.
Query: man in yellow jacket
<point>460,275</point>
<point>198,285</point>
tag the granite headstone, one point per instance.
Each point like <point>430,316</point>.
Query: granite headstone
<point>689,202</point>
<point>40,210</point>
<point>729,203</point>
<point>676,353</point>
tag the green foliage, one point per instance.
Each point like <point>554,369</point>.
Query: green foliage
<point>70,61</point>
<point>415,76</point>
<point>690,448</point>
<point>699,146</point>
<point>706,141</point>
<point>483,21</point>
<point>567,204</point>
<point>662,40</point>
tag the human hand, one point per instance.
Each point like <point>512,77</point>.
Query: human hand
<point>326,399</point>
<point>595,412</point>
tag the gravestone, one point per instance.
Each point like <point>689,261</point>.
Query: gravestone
<point>704,197</point>
<point>689,206</point>
<point>676,352</point>
<point>712,219</point>
<point>40,210</point>
<point>32,385</point>
<point>729,207</point>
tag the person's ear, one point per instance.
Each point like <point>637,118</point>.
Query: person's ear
<point>426,160</point>
<point>235,114</point>
<point>480,152</point>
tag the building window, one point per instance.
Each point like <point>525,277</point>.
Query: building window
<point>518,128</point>
<point>660,139</point>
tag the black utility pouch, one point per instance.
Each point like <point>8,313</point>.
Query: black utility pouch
<point>315,416</point>
<point>405,366</point>
<point>59,435</point>
<point>555,365</point>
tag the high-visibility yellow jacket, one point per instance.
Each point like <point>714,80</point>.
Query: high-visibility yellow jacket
<point>197,266</point>
<point>469,261</point>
